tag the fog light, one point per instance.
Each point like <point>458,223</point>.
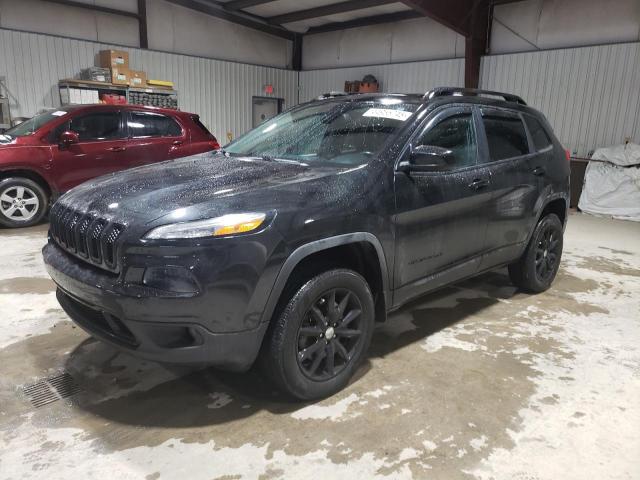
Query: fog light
<point>170,279</point>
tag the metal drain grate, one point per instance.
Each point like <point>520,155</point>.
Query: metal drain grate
<point>51,389</point>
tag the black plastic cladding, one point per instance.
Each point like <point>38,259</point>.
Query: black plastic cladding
<point>86,236</point>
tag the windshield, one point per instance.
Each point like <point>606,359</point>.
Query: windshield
<point>335,133</point>
<point>29,126</point>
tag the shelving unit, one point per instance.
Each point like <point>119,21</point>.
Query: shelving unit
<point>151,96</point>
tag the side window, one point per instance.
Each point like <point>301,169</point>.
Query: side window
<point>54,136</point>
<point>97,126</point>
<point>539,135</point>
<point>506,136</point>
<point>455,133</point>
<point>148,124</point>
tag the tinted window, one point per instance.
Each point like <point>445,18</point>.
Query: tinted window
<point>455,133</point>
<point>539,135</point>
<point>505,135</point>
<point>97,126</point>
<point>146,124</point>
<point>196,120</point>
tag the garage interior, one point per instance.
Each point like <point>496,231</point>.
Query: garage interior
<point>477,380</point>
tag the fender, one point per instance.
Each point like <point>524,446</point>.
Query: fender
<point>310,248</point>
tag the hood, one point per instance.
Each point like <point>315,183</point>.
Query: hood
<point>198,186</point>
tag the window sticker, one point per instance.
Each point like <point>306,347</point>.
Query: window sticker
<point>58,113</point>
<point>387,113</point>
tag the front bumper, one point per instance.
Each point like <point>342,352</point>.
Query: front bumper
<point>163,329</point>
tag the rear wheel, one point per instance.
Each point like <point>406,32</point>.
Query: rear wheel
<point>321,336</point>
<point>22,202</point>
<point>539,264</point>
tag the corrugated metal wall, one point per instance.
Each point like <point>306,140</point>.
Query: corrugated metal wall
<point>219,91</point>
<point>412,77</point>
<point>590,95</point>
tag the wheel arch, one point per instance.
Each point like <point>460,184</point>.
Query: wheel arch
<point>31,175</point>
<point>361,245</point>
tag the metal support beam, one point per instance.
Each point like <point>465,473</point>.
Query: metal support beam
<point>140,15</point>
<point>325,10</point>
<point>477,43</point>
<point>95,8</point>
<point>251,21</point>
<point>470,18</point>
<point>451,13</point>
<point>365,22</point>
<point>296,61</point>
<point>240,4</point>
<point>142,23</point>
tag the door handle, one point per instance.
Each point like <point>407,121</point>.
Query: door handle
<point>479,183</point>
<point>178,142</point>
<point>117,149</point>
<point>539,171</point>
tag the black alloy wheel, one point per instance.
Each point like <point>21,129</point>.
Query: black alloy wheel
<point>547,253</point>
<point>536,269</point>
<point>320,338</point>
<point>329,334</point>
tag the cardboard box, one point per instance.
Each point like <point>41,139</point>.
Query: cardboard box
<point>114,59</point>
<point>137,78</point>
<point>120,76</point>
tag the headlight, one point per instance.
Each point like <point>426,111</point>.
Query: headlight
<point>211,227</point>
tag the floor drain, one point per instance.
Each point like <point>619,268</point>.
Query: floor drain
<point>51,389</point>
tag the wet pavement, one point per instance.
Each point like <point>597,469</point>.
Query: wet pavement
<point>474,381</point>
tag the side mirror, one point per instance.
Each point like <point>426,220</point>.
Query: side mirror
<point>427,158</point>
<point>68,138</point>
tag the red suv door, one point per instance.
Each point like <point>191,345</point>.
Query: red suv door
<point>154,137</point>
<point>100,150</point>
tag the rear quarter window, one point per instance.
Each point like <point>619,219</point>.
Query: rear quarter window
<point>506,136</point>
<point>150,124</point>
<point>539,135</point>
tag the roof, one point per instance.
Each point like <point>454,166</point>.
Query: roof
<point>126,106</point>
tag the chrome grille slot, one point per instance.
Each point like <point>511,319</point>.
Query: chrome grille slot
<point>86,236</point>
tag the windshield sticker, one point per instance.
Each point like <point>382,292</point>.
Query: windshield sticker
<point>387,113</point>
<point>58,113</point>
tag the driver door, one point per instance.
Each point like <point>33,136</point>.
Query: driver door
<point>100,150</point>
<point>441,216</point>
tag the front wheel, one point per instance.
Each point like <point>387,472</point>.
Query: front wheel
<point>322,335</point>
<point>535,270</point>
<point>22,202</point>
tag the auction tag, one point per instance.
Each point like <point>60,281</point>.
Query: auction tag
<point>387,113</point>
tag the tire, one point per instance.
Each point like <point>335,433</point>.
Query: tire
<point>23,202</point>
<point>307,333</point>
<point>536,269</point>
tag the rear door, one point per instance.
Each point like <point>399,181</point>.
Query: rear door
<point>154,137</point>
<point>441,217</point>
<point>515,184</point>
<point>100,149</point>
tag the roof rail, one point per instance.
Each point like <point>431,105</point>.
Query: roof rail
<point>445,91</point>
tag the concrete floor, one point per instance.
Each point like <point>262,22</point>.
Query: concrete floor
<point>474,381</point>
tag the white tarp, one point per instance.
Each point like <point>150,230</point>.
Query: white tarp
<point>613,188</point>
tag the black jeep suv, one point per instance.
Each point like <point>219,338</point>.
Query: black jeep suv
<point>289,244</point>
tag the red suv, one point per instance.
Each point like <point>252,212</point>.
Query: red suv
<point>59,149</point>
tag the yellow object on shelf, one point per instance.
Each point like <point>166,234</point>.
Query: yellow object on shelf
<point>160,83</point>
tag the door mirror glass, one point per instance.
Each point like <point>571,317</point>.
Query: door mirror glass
<point>67,138</point>
<point>428,158</point>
